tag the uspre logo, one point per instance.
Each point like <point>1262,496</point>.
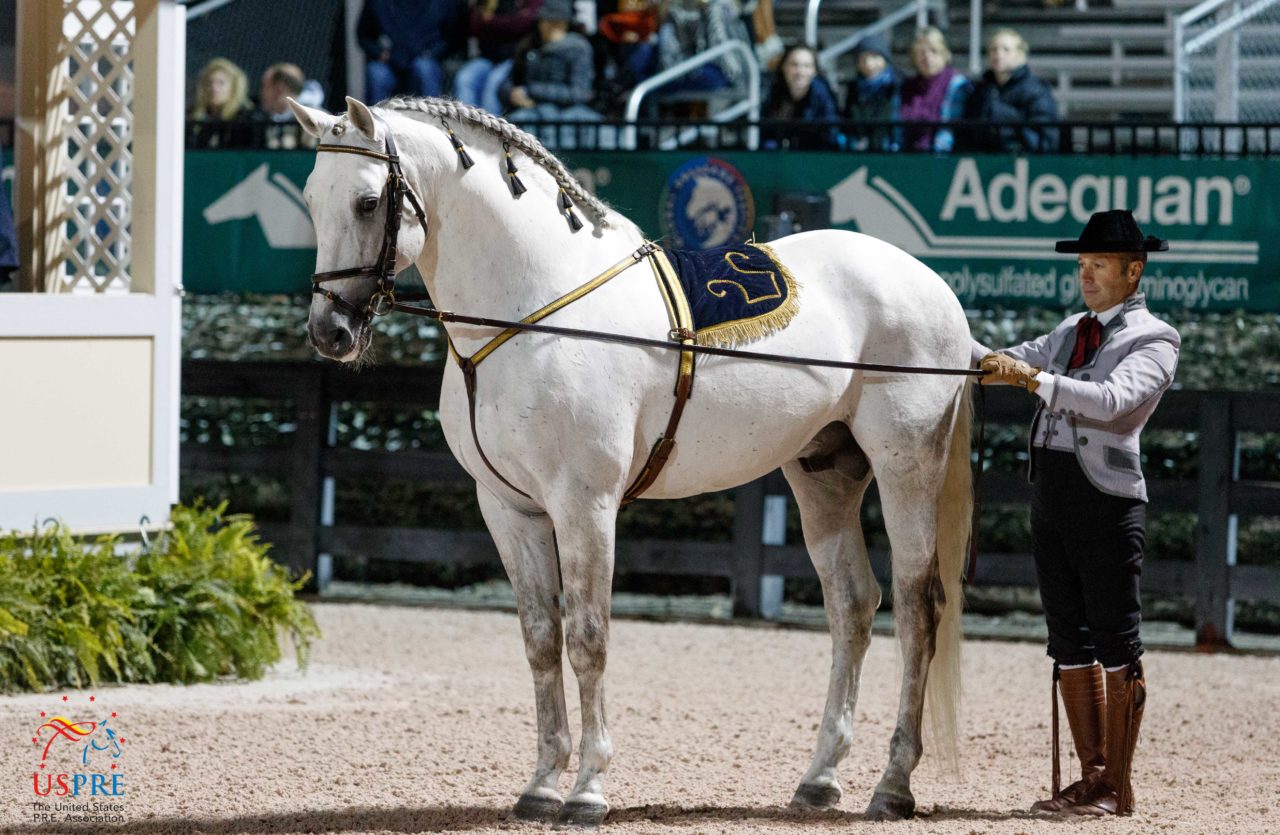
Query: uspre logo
<point>78,775</point>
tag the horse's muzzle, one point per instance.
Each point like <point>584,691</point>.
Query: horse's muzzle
<point>337,339</point>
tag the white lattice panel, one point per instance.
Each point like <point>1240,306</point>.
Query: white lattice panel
<point>99,186</point>
<point>98,40</point>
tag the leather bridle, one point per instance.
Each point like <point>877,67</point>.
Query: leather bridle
<point>383,272</point>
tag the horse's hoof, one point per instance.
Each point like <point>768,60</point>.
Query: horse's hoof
<point>890,807</point>
<point>816,796</point>
<point>531,807</point>
<point>582,815</point>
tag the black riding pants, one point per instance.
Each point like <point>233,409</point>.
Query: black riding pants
<point>1088,551</point>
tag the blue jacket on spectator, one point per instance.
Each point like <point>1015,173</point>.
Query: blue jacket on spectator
<point>8,238</point>
<point>437,28</point>
<point>1023,99</point>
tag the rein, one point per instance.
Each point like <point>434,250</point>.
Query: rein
<point>682,334</point>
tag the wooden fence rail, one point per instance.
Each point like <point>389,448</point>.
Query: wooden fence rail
<point>757,558</point>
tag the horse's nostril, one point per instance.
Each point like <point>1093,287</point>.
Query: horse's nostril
<point>339,341</point>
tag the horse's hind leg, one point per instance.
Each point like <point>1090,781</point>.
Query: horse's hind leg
<point>585,534</point>
<point>829,502</point>
<point>909,474</point>
<point>529,556</point>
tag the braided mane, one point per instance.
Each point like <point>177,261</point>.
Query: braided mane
<point>509,133</point>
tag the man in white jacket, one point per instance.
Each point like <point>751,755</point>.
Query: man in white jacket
<point>1099,376</point>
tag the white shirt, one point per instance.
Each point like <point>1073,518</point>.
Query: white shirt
<point>1045,390</point>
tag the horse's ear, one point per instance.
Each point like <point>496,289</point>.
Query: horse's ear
<point>314,122</point>
<point>359,115</point>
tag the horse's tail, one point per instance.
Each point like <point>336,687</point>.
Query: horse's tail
<point>955,517</point>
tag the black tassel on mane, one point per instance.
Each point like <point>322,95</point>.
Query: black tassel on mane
<point>566,206</point>
<point>463,156</point>
<point>517,187</point>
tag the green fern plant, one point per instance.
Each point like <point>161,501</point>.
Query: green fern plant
<point>203,602</point>
<point>220,599</point>
<point>70,613</point>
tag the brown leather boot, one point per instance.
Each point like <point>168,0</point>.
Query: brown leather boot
<point>1112,793</point>
<point>1085,699</point>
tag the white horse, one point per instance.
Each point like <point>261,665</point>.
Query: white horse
<point>569,423</point>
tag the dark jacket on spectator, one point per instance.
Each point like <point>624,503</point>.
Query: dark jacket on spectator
<point>818,105</point>
<point>1023,99</point>
<point>239,131</point>
<point>560,73</point>
<point>410,28</point>
<point>511,22</point>
<point>875,100</point>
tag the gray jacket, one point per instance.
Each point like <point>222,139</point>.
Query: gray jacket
<point>560,73</point>
<point>1098,410</point>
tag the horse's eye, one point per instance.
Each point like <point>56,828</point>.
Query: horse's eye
<point>367,205</point>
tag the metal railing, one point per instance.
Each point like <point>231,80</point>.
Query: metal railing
<point>811,19</point>
<point>750,107</point>
<point>1227,77</point>
<point>1209,139</point>
<point>919,9</point>
<point>975,37</point>
<point>200,9</point>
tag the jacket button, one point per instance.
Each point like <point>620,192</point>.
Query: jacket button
<point>1083,441</point>
<point>1084,376</point>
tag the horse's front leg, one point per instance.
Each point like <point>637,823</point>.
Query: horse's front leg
<point>586,543</point>
<point>528,553</point>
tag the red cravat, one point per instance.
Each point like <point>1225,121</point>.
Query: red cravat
<point>1088,338</point>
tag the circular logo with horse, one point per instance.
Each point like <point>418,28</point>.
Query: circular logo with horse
<point>707,203</point>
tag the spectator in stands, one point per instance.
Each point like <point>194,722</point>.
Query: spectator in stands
<point>552,81</point>
<point>874,96</point>
<point>1010,101</point>
<point>279,82</point>
<point>406,43</point>
<point>937,93</point>
<point>693,26</point>
<point>625,49</point>
<point>498,27</point>
<point>800,94</point>
<point>223,115</point>
<point>764,33</point>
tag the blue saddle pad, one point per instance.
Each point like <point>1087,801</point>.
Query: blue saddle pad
<point>737,294</point>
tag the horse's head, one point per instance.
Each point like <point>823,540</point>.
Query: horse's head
<point>365,232</point>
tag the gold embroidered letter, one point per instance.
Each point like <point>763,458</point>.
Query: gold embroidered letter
<point>746,294</point>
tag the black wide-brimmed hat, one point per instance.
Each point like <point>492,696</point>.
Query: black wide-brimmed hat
<point>1113,231</point>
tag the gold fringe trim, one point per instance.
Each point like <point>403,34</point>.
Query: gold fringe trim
<point>737,332</point>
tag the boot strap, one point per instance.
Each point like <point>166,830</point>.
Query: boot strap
<point>1135,685</point>
<point>1056,782</point>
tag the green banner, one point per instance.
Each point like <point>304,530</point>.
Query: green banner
<point>987,224</point>
<point>246,229</point>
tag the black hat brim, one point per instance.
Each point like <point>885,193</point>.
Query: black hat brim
<point>1150,244</point>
